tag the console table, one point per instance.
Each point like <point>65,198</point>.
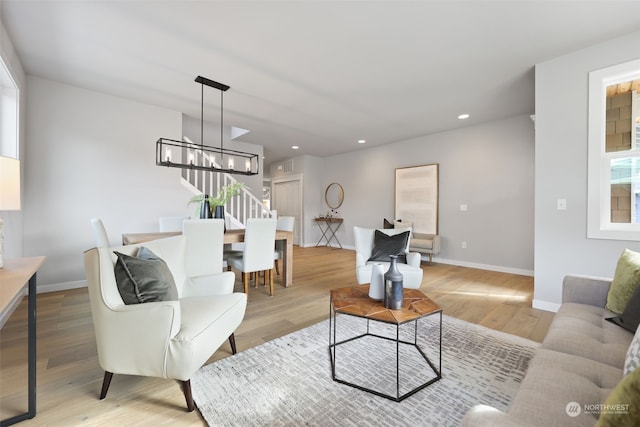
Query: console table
<point>329,226</point>
<point>18,274</point>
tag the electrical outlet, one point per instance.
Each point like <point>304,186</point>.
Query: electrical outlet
<point>464,245</point>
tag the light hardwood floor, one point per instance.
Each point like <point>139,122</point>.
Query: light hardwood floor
<point>69,377</point>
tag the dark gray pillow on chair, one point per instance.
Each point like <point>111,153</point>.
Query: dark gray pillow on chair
<point>144,278</point>
<point>630,317</point>
<point>385,245</point>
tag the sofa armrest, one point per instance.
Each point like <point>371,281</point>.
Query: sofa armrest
<point>585,290</point>
<point>413,258</point>
<point>487,416</point>
<point>210,284</point>
<point>436,244</point>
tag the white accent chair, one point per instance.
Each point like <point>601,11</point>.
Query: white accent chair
<point>364,241</point>
<point>99,233</point>
<point>423,243</point>
<point>286,223</point>
<point>259,241</point>
<point>166,339</point>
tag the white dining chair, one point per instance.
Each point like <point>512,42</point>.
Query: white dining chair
<point>204,241</point>
<point>99,233</point>
<point>286,223</point>
<point>259,241</point>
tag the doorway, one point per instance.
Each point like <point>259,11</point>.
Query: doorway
<point>286,199</point>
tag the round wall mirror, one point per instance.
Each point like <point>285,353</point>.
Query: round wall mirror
<point>334,195</point>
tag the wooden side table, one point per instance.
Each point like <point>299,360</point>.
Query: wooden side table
<point>328,229</point>
<point>16,275</point>
<point>355,301</point>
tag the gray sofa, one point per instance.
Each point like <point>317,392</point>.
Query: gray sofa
<point>580,360</point>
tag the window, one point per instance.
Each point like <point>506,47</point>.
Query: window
<point>8,113</point>
<point>614,153</point>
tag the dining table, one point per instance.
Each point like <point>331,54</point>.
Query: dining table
<point>230,236</point>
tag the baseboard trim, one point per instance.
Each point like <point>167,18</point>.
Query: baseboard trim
<point>545,305</point>
<point>489,267</point>
<point>55,287</point>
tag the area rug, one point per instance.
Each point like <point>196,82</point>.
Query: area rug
<point>287,381</point>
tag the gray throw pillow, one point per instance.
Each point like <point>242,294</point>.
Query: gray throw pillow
<point>630,317</point>
<point>144,278</point>
<point>385,245</point>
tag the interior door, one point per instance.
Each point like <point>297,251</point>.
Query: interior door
<point>286,198</point>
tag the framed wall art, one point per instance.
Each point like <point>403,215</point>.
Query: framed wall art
<point>416,198</point>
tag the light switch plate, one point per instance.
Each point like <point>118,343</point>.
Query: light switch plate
<point>561,204</point>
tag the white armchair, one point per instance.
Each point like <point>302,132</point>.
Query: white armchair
<point>167,339</point>
<point>364,242</point>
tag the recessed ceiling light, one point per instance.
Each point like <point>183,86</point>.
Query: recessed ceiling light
<point>295,147</point>
<point>463,116</point>
<point>361,141</point>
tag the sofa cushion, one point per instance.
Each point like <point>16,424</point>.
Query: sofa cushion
<point>144,278</point>
<point>622,407</point>
<point>625,280</point>
<point>581,330</point>
<point>630,317</point>
<point>554,381</point>
<point>632,359</point>
<point>385,245</point>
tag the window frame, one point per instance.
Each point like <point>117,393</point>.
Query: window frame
<point>599,225</point>
<point>9,113</point>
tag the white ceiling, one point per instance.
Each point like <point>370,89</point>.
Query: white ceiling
<point>317,74</point>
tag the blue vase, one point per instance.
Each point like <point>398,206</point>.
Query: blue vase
<point>219,213</point>
<point>205,208</point>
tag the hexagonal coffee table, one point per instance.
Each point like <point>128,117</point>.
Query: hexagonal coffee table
<point>355,301</point>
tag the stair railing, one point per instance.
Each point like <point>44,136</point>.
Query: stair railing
<point>238,209</point>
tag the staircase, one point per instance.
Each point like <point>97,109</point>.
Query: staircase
<point>240,208</point>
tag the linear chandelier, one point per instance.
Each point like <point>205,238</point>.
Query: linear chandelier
<point>189,155</point>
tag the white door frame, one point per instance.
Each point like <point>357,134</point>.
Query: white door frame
<point>290,178</point>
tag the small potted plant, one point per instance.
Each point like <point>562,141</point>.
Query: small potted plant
<point>208,203</point>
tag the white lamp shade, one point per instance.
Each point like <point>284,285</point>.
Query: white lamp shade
<point>9,184</point>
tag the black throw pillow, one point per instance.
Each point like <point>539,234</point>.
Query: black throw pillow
<point>384,245</point>
<point>144,278</point>
<point>387,224</point>
<point>630,317</point>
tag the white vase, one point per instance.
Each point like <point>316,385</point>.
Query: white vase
<point>376,288</point>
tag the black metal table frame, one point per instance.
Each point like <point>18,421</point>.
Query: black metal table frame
<point>398,398</point>
<point>329,229</point>
<point>31,315</point>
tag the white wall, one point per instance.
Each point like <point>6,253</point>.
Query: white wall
<point>561,246</point>
<point>92,155</point>
<point>489,167</point>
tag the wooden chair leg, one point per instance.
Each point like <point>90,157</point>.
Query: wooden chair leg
<point>186,388</point>
<point>105,384</point>
<point>232,341</point>
<point>271,289</point>
<point>245,281</point>
<point>277,268</point>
